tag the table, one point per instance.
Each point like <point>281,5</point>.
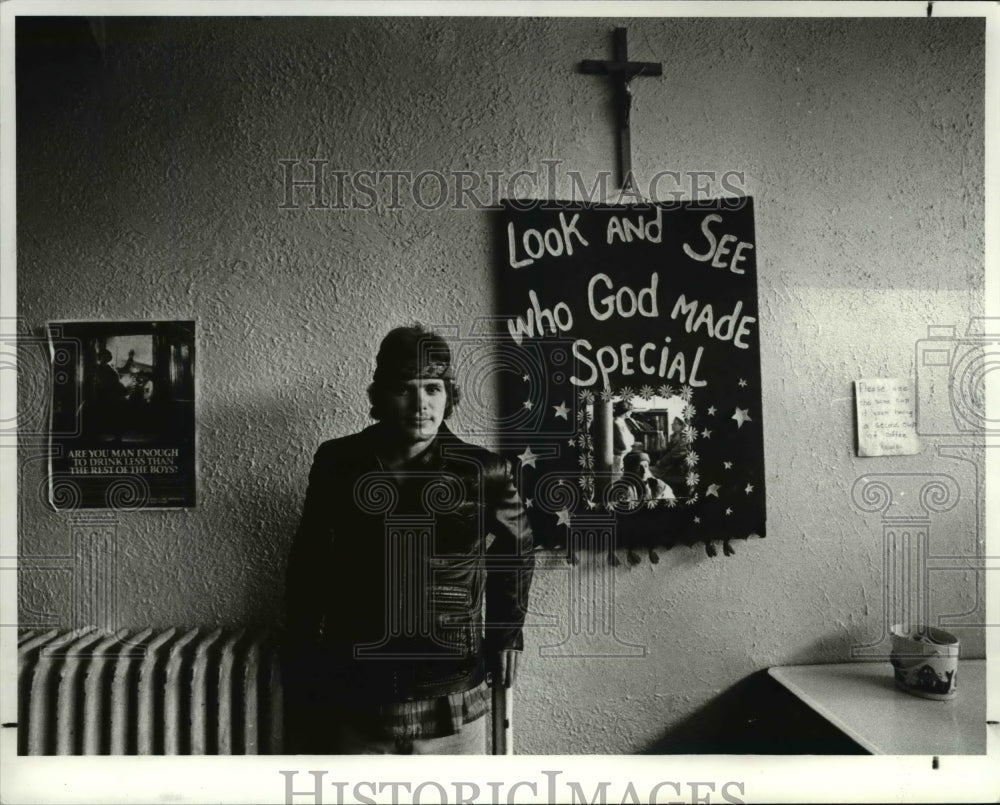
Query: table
<point>861,699</point>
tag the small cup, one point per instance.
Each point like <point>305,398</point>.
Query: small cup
<point>925,661</point>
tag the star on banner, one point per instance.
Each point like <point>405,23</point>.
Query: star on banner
<point>749,488</point>
<point>728,512</point>
<point>743,383</point>
<point>561,410</point>
<point>563,517</point>
<point>528,503</point>
<point>711,410</point>
<point>727,464</point>
<point>742,415</point>
<point>525,378</point>
<point>529,404</point>
<point>527,457</point>
<point>697,519</point>
<point>705,434</point>
<point>713,489</point>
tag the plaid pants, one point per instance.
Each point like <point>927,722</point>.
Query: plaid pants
<point>470,740</point>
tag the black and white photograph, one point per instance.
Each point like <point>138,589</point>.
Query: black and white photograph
<point>603,393</point>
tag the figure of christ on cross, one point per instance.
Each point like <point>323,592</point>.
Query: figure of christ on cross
<point>622,71</point>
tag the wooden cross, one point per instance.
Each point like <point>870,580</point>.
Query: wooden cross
<point>622,71</point>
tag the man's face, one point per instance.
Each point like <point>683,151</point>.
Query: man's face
<point>416,408</point>
<point>644,468</point>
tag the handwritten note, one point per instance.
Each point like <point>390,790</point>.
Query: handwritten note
<point>886,424</point>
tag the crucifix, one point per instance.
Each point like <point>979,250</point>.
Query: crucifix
<point>622,71</point>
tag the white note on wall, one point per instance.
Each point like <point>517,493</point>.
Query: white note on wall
<point>886,423</point>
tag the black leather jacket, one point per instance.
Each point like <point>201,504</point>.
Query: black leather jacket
<point>387,577</point>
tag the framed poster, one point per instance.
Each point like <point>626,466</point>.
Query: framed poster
<point>123,415</point>
<point>644,403</point>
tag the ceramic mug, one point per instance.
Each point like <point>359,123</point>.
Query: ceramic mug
<point>925,661</point>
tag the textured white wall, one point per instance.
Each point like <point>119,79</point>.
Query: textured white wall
<point>150,188</point>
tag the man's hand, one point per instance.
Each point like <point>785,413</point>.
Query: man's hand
<point>507,667</point>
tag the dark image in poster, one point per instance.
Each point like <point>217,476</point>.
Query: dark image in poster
<point>122,415</point>
<point>645,406</point>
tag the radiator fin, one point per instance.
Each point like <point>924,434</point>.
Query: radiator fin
<point>172,691</point>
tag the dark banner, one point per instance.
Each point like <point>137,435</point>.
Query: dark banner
<point>122,415</point>
<point>636,328</point>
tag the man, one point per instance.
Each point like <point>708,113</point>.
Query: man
<point>105,417</point>
<point>386,651</point>
<point>671,467</point>
<point>643,485</point>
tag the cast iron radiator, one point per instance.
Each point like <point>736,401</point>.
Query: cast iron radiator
<point>171,692</point>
